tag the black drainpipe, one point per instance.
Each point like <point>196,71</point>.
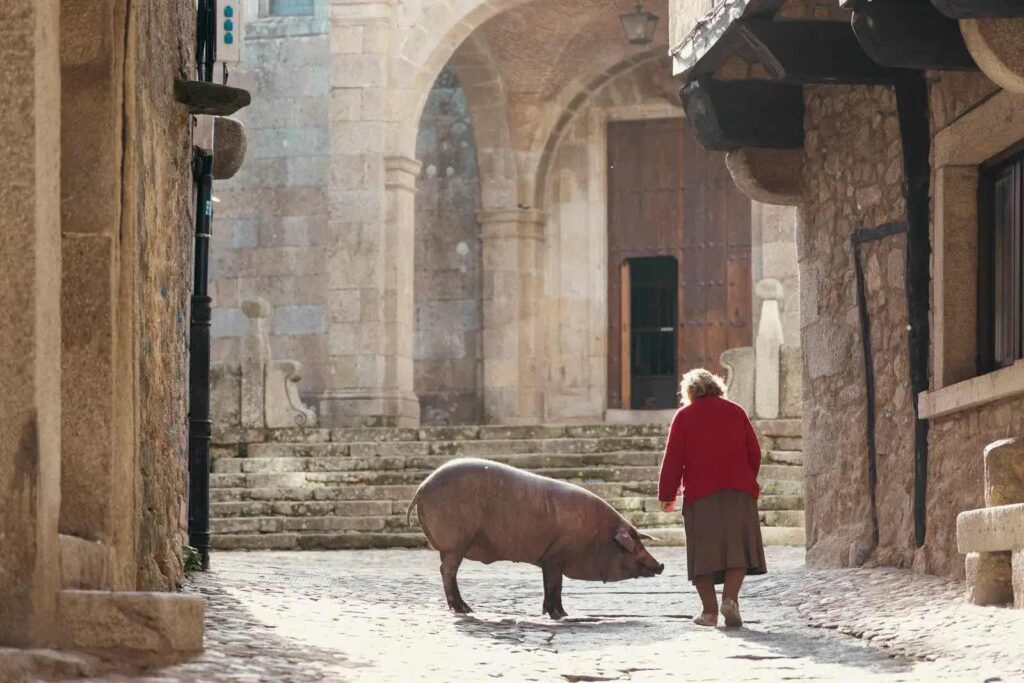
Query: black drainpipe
<point>200,427</point>
<point>858,238</point>
<point>912,106</point>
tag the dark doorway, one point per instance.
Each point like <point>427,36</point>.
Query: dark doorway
<point>654,320</point>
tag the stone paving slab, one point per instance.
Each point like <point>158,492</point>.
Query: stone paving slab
<point>379,616</point>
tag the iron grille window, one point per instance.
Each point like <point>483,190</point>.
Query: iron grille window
<point>1001,258</point>
<point>290,7</point>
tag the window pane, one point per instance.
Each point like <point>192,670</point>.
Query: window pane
<point>1007,213</point>
<point>279,7</point>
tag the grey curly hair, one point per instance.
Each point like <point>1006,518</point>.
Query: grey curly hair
<point>698,383</point>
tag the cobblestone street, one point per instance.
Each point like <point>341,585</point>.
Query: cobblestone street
<point>380,616</point>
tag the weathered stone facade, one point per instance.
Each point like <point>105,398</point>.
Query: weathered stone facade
<point>852,179</point>
<point>444,253</point>
<point>98,184</point>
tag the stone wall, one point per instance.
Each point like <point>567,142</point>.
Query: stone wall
<point>270,235</point>
<point>853,180</point>
<point>447,357</point>
<point>159,205</point>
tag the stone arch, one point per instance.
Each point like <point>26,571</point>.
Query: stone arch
<point>571,100</point>
<point>431,39</point>
<point>488,110</point>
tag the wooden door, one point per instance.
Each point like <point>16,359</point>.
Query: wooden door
<point>667,197</point>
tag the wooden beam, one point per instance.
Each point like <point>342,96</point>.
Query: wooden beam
<point>981,9</point>
<point>805,51</point>
<point>911,34</point>
<point>727,115</point>
<point>626,332</point>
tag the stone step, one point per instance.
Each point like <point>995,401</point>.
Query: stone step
<point>529,461</point>
<point>404,492</point>
<point>785,443</point>
<point>782,427</point>
<point>788,518</point>
<point>785,457</point>
<point>772,536</point>
<point>470,449</point>
<point>411,476</point>
<point>332,541</point>
<point>385,508</point>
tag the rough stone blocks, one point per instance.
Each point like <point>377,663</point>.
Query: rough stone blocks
<point>989,578</point>
<point>145,623</point>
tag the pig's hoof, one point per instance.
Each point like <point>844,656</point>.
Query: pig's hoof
<point>556,613</point>
<point>459,606</point>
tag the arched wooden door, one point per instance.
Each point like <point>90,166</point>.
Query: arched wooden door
<point>679,285</point>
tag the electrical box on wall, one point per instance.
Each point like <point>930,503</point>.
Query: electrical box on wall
<point>229,31</point>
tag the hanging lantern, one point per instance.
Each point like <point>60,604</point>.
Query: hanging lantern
<point>639,25</point>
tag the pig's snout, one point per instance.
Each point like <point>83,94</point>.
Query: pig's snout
<point>660,569</point>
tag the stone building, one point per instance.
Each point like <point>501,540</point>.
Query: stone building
<point>96,267</point>
<point>895,128</point>
<point>432,209</point>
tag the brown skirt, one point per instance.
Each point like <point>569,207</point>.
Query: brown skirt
<point>723,531</point>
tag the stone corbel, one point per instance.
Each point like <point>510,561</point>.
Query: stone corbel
<point>769,176</point>
<point>997,46</point>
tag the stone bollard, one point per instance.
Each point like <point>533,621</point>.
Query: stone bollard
<point>767,349</point>
<point>993,537</point>
<point>1004,472</point>
<point>989,578</point>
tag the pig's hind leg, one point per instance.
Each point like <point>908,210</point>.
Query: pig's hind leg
<point>553,592</point>
<point>450,562</point>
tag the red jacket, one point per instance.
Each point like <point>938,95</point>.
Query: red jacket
<point>711,447</point>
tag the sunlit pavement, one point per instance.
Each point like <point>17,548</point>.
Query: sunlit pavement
<point>380,616</point>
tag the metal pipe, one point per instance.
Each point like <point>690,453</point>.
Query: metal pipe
<point>858,238</point>
<point>200,426</point>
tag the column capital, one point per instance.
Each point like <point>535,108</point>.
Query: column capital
<point>521,223</point>
<point>401,172</point>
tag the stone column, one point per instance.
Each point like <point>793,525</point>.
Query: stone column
<point>512,292</point>
<point>29,320</point>
<point>370,268</point>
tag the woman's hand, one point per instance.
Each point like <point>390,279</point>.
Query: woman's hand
<point>667,505</point>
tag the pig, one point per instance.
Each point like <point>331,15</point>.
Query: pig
<point>488,512</point>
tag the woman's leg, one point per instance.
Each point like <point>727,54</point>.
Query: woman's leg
<point>730,596</point>
<point>733,581</point>
<point>706,590</point>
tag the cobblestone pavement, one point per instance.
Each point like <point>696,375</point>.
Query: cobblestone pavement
<point>380,616</point>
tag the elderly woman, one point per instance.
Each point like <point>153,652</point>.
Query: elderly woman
<point>713,454</point>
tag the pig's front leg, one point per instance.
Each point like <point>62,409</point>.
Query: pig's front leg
<point>553,591</point>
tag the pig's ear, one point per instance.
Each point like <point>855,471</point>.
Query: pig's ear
<point>625,539</point>
<point>647,537</point>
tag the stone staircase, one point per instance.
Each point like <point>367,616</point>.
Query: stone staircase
<point>299,488</point>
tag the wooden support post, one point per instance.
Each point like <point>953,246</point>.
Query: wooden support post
<point>626,310</point>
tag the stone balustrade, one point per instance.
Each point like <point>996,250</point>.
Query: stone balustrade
<point>993,536</point>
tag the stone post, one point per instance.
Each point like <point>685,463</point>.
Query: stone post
<point>512,291</point>
<point>255,357</point>
<point>370,254</point>
<point>767,347</point>
<point>30,361</point>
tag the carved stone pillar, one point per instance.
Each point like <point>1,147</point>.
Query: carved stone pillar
<point>512,293</point>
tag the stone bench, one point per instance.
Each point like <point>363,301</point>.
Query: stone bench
<point>993,537</point>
